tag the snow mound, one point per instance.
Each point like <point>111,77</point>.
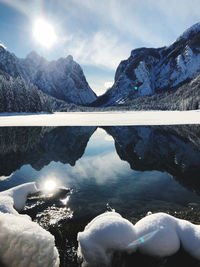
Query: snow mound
<point>165,241</point>
<point>190,237</point>
<point>158,235</point>
<point>106,233</point>
<point>23,243</point>
<point>15,198</point>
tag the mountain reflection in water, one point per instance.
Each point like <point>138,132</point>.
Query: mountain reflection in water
<point>134,169</point>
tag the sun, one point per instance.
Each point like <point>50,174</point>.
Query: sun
<point>44,33</point>
<point>49,186</point>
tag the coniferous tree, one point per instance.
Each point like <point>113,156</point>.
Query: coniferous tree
<point>18,96</point>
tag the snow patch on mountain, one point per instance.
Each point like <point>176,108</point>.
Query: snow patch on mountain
<point>143,76</point>
<point>188,65</point>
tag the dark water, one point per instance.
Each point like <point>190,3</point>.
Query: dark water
<point>134,169</point>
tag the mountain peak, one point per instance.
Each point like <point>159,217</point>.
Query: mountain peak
<point>194,29</point>
<point>33,55</point>
<point>69,58</point>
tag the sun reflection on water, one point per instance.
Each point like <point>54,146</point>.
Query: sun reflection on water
<point>65,200</point>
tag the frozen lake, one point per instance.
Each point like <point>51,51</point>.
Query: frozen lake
<point>102,118</point>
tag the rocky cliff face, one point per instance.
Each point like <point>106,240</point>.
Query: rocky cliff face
<point>62,79</point>
<point>149,70</point>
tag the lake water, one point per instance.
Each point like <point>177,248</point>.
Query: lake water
<point>130,169</point>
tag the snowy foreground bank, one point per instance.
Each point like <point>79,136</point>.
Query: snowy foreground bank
<point>24,243</point>
<point>158,235</point>
<point>102,118</point>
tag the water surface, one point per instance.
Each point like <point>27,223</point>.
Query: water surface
<point>130,169</point>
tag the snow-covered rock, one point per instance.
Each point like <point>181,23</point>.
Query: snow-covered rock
<point>189,235</point>
<point>157,235</point>
<point>166,240</point>
<point>14,199</point>
<point>149,71</point>
<point>63,79</point>
<point>105,234</point>
<point>23,243</point>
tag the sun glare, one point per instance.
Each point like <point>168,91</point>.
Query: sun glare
<point>49,186</point>
<point>44,33</point>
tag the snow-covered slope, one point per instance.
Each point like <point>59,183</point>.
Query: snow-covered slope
<point>63,79</point>
<point>23,243</point>
<point>149,70</point>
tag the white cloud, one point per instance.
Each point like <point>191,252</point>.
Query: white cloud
<point>29,8</point>
<point>103,49</point>
<point>119,30</point>
<point>100,139</point>
<point>100,167</point>
<point>124,17</point>
<point>97,87</point>
<point>108,84</point>
<point>108,138</point>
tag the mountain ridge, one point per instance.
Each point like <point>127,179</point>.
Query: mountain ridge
<point>149,71</point>
<point>63,78</point>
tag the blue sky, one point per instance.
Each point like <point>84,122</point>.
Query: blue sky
<point>97,33</point>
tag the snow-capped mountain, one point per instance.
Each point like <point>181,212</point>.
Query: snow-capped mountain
<point>151,70</point>
<point>63,79</point>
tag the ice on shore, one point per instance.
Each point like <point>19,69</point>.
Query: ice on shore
<point>23,243</point>
<point>157,235</point>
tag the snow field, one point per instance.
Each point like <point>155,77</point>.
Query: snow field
<point>103,118</point>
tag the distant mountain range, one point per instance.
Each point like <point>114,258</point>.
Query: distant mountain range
<point>151,78</point>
